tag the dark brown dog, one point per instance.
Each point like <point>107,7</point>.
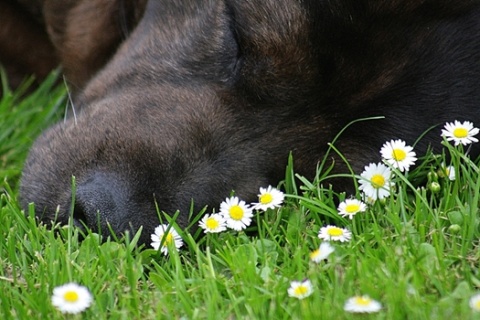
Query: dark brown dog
<point>191,99</point>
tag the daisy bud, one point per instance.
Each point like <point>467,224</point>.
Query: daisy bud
<point>434,187</point>
<point>454,229</point>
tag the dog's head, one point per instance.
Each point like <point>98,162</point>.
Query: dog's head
<point>196,102</point>
<point>196,98</point>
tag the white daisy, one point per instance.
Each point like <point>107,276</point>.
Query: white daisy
<point>332,233</point>
<point>460,132</point>
<point>322,252</point>
<point>269,198</point>
<point>171,239</point>
<point>397,154</point>
<point>362,304</point>
<point>236,212</point>
<point>300,289</point>
<point>375,181</point>
<point>71,298</point>
<point>447,171</point>
<point>474,302</point>
<point>213,223</point>
<point>351,207</point>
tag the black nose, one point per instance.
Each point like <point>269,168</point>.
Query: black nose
<point>100,202</point>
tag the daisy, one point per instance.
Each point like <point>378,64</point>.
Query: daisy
<point>375,181</point>
<point>447,171</point>
<point>213,223</point>
<point>322,252</point>
<point>474,302</point>
<point>351,207</point>
<point>397,154</point>
<point>269,198</point>
<point>172,238</point>
<point>460,132</point>
<point>332,233</point>
<point>71,298</point>
<point>300,289</point>
<point>236,212</point>
<point>362,304</point>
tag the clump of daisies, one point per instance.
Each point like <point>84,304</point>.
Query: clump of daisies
<point>398,155</point>
<point>71,298</point>
<point>362,304</point>
<point>300,289</point>
<point>166,237</point>
<point>236,214</point>
<point>460,133</point>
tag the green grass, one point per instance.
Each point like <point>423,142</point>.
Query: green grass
<point>23,116</point>
<point>417,252</point>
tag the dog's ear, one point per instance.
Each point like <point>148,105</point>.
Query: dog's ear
<point>21,34</point>
<point>86,33</point>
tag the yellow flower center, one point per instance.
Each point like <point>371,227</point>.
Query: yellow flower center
<point>378,181</point>
<point>314,254</point>
<point>335,232</point>
<point>476,305</point>
<point>265,198</point>
<point>212,223</point>
<point>70,296</point>
<point>399,154</point>
<point>236,212</point>
<point>352,208</point>
<point>460,133</point>
<point>168,239</point>
<point>363,301</point>
<point>300,290</point>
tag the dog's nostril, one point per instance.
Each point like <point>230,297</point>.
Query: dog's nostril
<point>79,217</point>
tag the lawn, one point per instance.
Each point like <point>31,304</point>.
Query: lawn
<point>416,252</point>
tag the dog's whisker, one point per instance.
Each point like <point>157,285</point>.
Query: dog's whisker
<point>69,103</point>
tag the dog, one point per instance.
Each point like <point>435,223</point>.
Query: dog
<point>179,102</point>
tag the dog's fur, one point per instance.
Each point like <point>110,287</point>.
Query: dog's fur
<point>190,99</point>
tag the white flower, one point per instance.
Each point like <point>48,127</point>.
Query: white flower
<point>362,304</point>
<point>332,233</point>
<point>351,207</point>
<point>398,155</point>
<point>474,302</point>
<point>460,132</point>
<point>447,171</point>
<point>269,198</point>
<point>171,239</point>
<point>375,181</point>
<point>236,212</point>
<point>300,289</point>
<point>71,298</point>
<point>213,223</point>
<point>322,252</point>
